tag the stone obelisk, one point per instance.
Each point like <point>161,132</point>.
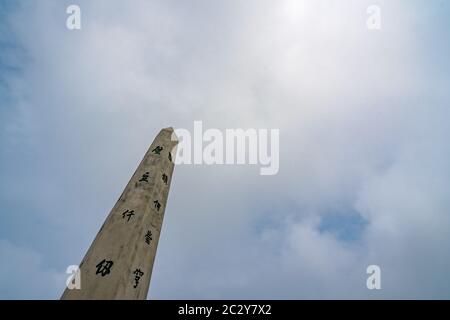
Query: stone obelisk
<point>119,263</point>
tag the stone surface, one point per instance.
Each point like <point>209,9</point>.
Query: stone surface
<point>119,263</point>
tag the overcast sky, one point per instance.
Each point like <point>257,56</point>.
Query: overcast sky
<point>364,153</point>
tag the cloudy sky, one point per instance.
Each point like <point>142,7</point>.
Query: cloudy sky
<point>364,154</point>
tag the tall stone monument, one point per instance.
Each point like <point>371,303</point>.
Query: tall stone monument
<point>119,263</point>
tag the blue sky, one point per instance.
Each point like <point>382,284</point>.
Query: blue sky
<point>364,156</point>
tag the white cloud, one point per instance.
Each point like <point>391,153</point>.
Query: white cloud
<point>355,135</point>
<point>23,275</point>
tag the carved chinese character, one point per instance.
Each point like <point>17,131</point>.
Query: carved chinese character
<point>148,237</point>
<point>170,157</point>
<point>145,177</point>
<point>165,178</point>
<point>104,267</point>
<point>128,214</point>
<point>158,150</point>
<point>157,205</point>
<point>138,274</point>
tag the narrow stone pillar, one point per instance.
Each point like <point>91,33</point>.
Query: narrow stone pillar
<point>119,263</point>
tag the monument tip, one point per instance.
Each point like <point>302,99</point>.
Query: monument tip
<point>172,131</point>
